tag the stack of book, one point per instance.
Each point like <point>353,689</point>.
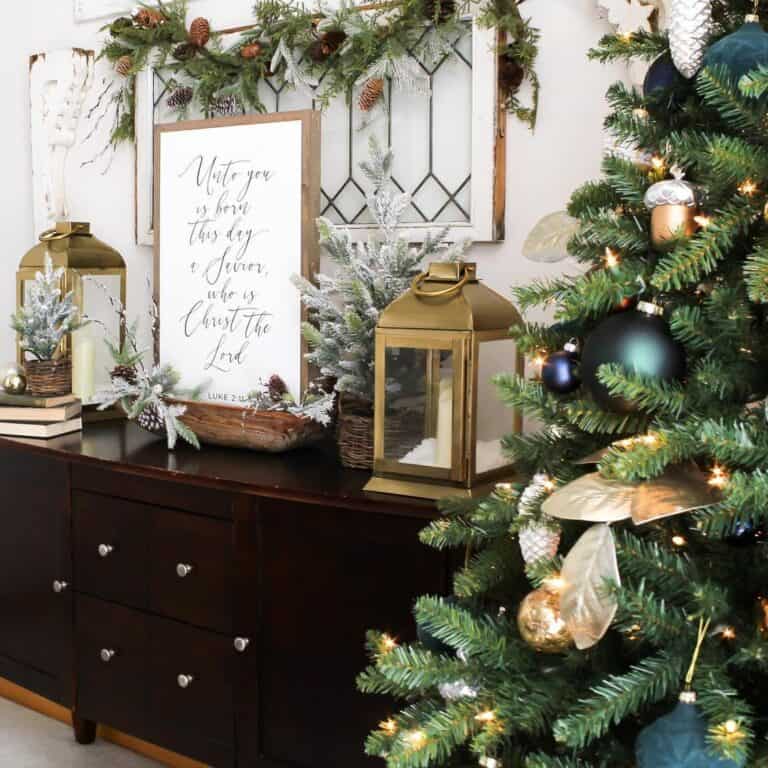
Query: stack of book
<point>44,417</point>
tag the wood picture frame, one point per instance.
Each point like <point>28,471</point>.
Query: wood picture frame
<point>301,132</point>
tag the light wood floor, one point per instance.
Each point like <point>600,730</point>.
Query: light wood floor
<point>32,740</point>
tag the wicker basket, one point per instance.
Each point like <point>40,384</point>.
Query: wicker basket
<point>49,378</point>
<point>355,433</point>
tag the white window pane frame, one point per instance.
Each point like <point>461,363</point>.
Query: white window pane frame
<point>455,114</point>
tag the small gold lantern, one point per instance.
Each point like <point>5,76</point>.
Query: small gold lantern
<point>438,418</point>
<point>96,274</point>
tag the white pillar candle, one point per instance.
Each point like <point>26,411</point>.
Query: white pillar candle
<point>83,366</point>
<point>444,432</point>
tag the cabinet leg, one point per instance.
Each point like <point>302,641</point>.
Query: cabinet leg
<point>85,730</point>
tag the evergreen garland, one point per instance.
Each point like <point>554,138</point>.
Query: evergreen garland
<point>340,50</point>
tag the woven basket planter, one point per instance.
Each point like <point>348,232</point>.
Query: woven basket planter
<point>355,433</point>
<point>49,378</point>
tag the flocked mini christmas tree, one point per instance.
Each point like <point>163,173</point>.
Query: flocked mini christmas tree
<point>649,469</point>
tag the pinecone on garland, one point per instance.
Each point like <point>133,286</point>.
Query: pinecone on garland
<point>252,51</point>
<point>439,10</point>
<point>124,65</point>
<point>276,388</point>
<point>148,17</point>
<point>539,540</point>
<point>200,32</point>
<point>226,106</point>
<point>511,75</point>
<point>180,98</point>
<point>371,93</point>
<point>118,26</point>
<point>151,419</point>
<point>124,372</point>
<point>184,52</point>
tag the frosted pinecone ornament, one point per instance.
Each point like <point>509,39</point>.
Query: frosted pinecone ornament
<point>690,25</point>
<point>539,540</point>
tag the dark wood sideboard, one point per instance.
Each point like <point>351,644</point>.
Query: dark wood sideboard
<point>211,603</point>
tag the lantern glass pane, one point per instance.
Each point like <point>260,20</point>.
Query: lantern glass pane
<point>494,419</point>
<point>101,303</point>
<point>418,420</point>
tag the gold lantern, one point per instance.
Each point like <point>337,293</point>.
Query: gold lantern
<point>96,274</point>
<point>438,420</point>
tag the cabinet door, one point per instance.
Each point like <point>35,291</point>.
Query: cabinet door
<point>328,575</point>
<point>35,620</point>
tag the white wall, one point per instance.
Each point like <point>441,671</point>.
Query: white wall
<point>543,168</point>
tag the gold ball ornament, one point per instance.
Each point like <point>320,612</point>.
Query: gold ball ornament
<point>252,51</point>
<point>15,382</point>
<point>540,623</point>
<point>674,205</point>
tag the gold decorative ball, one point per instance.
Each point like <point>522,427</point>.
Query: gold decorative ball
<point>540,623</point>
<point>15,383</point>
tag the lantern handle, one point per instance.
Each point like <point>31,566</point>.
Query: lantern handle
<point>53,234</point>
<point>455,288</point>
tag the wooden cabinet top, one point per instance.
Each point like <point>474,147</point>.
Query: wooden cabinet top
<point>311,475</point>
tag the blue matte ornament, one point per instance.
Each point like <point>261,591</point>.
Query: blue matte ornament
<point>560,371</point>
<point>679,740</point>
<point>741,51</point>
<point>662,76</point>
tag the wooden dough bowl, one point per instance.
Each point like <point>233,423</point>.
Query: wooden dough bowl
<point>269,431</point>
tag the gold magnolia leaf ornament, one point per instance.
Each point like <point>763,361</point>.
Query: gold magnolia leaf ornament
<point>592,498</point>
<point>587,603</point>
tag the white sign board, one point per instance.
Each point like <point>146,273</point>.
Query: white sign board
<point>236,220</point>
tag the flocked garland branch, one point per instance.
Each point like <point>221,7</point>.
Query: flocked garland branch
<point>348,51</point>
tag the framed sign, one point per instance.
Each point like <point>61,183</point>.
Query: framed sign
<point>235,207</point>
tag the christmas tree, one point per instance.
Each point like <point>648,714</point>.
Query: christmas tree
<point>611,609</point>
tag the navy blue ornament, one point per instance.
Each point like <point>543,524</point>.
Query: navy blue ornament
<point>741,51</point>
<point>640,341</point>
<point>746,533</point>
<point>679,740</point>
<point>560,371</point>
<point>662,76</point>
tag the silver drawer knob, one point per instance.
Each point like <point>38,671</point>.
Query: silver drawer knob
<point>106,655</point>
<point>59,586</point>
<point>105,550</point>
<point>185,681</point>
<point>183,570</point>
<point>241,644</point>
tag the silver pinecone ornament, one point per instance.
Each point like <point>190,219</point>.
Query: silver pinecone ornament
<point>457,690</point>
<point>690,24</point>
<point>151,419</point>
<point>539,540</point>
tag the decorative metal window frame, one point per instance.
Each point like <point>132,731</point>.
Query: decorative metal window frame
<point>485,212</point>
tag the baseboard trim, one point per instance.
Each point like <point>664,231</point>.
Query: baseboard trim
<point>25,698</point>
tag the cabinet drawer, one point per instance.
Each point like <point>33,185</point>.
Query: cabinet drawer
<point>111,654</point>
<point>111,553</point>
<point>191,687</point>
<point>191,569</point>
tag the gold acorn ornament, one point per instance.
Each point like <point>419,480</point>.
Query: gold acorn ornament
<point>540,624</point>
<point>674,205</point>
<point>124,65</point>
<point>200,32</point>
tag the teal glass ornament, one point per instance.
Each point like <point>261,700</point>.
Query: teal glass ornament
<point>741,51</point>
<point>679,740</point>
